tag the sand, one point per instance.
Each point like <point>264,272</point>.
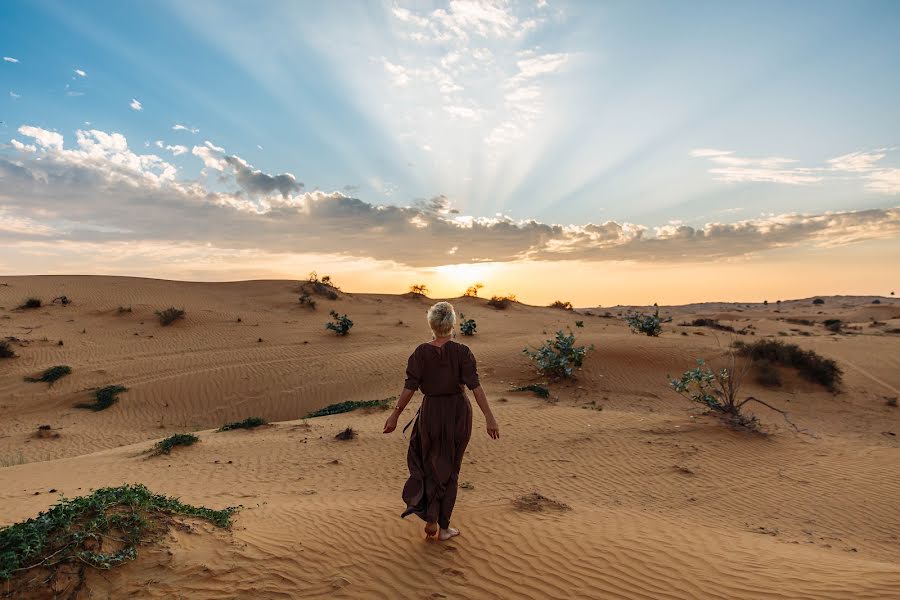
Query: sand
<point>662,501</point>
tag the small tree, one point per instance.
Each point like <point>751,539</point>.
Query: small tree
<point>341,324</point>
<point>419,289</point>
<point>719,391</point>
<point>559,357</point>
<point>472,290</point>
<point>466,326</point>
<point>650,325</point>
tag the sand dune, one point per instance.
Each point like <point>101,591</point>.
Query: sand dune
<point>664,502</point>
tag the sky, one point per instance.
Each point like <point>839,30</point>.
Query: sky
<point>596,152</point>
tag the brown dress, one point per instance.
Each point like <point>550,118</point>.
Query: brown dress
<point>442,428</point>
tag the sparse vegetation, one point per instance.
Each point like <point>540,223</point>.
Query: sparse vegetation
<point>834,325</point>
<point>767,374</point>
<point>123,310</point>
<point>351,405</point>
<point>796,321</point>
<point>559,357</point>
<point>810,365</point>
<point>307,300</point>
<point>876,301</point>
<point>650,325</point>
<point>32,303</point>
<point>501,302</point>
<point>346,435</point>
<point>248,423</point>
<point>104,398</point>
<point>466,326</point>
<point>323,287</point>
<point>179,439</point>
<point>561,305</point>
<point>102,530</point>
<point>892,402</point>
<point>472,290</point>
<point>818,301</point>
<point>51,375</point>
<point>579,323</point>
<point>341,324</point>
<point>6,350</point>
<point>170,315</point>
<point>419,289</point>
<point>539,390</point>
<point>711,323</point>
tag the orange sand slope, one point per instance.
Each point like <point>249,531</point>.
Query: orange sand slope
<point>663,502</point>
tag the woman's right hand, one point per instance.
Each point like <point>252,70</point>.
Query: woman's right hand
<point>493,429</point>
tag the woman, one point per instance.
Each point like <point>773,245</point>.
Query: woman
<point>443,425</point>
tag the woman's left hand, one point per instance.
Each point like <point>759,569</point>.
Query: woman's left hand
<point>391,423</point>
<point>493,429</point>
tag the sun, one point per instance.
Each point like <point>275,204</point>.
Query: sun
<point>452,280</point>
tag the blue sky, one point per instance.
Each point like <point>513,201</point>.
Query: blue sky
<point>657,115</point>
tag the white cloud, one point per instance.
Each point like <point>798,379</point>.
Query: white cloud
<point>136,105</point>
<point>857,161</point>
<point>180,127</point>
<point>80,73</point>
<point>211,155</point>
<point>462,112</point>
<point>10,59</point>
<point>884,181</point>
<point>14,95</point>
<point>49,140</point>
<point>398,74</point>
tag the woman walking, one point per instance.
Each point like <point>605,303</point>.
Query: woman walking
<point>442,369</point>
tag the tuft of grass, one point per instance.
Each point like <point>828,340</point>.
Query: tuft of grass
<point>104,398</point>
<point>102,530</point>
<point>170,315</point>
<point>346,435</point>
<point>248,423</point>
<point>6,350</point>
<point>351,405</point>
<point>538,389</point>
<point>810,365</point>
<point>179,439</point>
<point>31,303</point>
<point>51,375</point>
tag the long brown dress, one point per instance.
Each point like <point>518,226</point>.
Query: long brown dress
<point>442,428</point>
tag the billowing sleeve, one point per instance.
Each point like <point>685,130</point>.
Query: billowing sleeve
<point>469,370</point>
<point>414,371</point>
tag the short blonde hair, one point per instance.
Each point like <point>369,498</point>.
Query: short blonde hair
<point>441,318</point>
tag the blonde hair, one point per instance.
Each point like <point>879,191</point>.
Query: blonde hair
<point>441,318</point>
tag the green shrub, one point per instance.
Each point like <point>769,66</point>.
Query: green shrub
<point>341,324</point>
<point>104,398</point>
<point>559,357</point>
<point>538,389</point>
<point>31,303</point>
<point>72,531</point>
<point>6,350</point>
<point>466,326</point>
<point>650,325</point>
<point>248,423</point>
<point>179,439</point>
<point>52,374</point>
<point>810,365</point>
<point>169,315</point>
<point>351,405</point>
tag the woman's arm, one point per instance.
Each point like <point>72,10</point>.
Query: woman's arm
<point>391,423</point>
<point>493,429</point>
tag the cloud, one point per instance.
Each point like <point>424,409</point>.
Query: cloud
<point>180,127</point>
<point>211,156</point>
<point>136,105</point>
<point>14,95</point>
<point>10,59</point>
<point>108,193</point>
<point>80,73</point>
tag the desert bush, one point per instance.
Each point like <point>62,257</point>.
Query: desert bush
<point>876,301</point>
<point>472,290</point>
<point>6,350</point>
<point>123,310</point>
<point>102,531</point>
<point>650,325</point>
<point>31,303</point>
<point>419,289</point>
<point>796,321</point>
<point>323,287</point>
<point>539,390</point>
<point>248,423</point>
<point>579,323</point>
<point>169,315</point>
<point>561,305</point>
<point>818,301</point>
<point>892,402</point>
<point>466,326</point>
<point>341,324</point>
<point>501,302</point>
<point>307,300</point>
<point>52,374</point>
<point>346,435</point>
<point>104,398</point>
<point>560,356</point>
<point>718,390</point>
<point>711,323</point>
<point>767,374</point>
<point>834,325</point>
<point>179,439</point>
<point>351,405</point>
<point>810,365</point>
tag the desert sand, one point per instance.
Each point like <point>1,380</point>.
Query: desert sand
<point>663,501</point>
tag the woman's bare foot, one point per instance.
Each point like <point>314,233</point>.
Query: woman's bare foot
<point>431,529</point>
<point>448,533</point>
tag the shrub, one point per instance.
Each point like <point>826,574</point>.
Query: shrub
<point>104,398</point>
<point>169,315</point>
<point>501,302</point>
<point>6,350</point>
<point>579,323</point>
<point>419,289</point>
<point>75,531</point>
<point>472,290</point>
<point>351,405</point>
<point>52,374</point>
<point>341,324</point>
<point>539,390</point>
<point>711,323</point>
<point>31,303</point>
<point>834,325</point>
<point>560,356</point>
<point>818,301</point>
<point>323,287</point>
<point>650,325</point>
<point>876,301</point>
<point>719,390</point>
<point>466,326</point>
<point>810,365</point>
<point>123,309</point>
<point>248,423</point>
<point>561,305</point>
<point>179,439</point>
<point>892,402</point>
<point>767,374</point>
<point>796,321</point>
<point>307,300</point>
<point>345,435</point>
